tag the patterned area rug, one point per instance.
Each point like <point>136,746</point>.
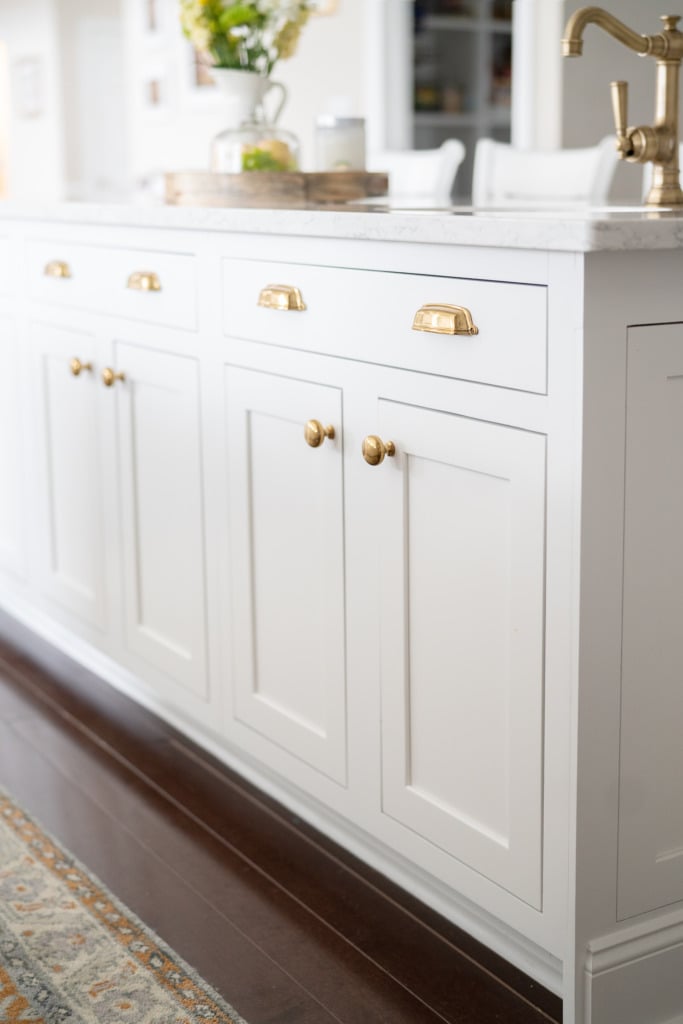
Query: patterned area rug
<point>70,952</point>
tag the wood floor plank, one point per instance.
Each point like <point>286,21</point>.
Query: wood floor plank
<point>348,985</point>
<point>258,988</point>
<point>327,916</point>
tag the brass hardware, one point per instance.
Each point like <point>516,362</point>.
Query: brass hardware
<point>281,296</point>
<point>375,449</point>
<point>144,281</point>
<point>440,318</point>
<point>315,433</point>
<point>657,143</point>
<point>57,268</point>
<point>77,367</point>
<point>109,376</point>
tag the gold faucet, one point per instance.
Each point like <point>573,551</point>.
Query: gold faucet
<point>656,143</point>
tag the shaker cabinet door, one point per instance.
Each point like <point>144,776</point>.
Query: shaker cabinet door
<point>287,565</point>
<point>160,477</point>
<point>12,455</point>
<point>70,554</point>
<point>462,506</point>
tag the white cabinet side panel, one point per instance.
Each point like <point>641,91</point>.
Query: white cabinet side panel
<point>650,807</point>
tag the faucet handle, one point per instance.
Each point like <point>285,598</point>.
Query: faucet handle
<point>619,106</point>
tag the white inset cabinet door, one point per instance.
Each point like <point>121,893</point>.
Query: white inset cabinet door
<point>160,477</point>
<point>462,508</point>
<point>12,541</point>
<point>287,565</point>
<point>71,547</point>
<point>650,803</point>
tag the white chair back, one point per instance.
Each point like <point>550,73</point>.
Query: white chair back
<point>505,177</point>
<point>421,173</point>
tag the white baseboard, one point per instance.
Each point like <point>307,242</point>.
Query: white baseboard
<point>635,975</point>
<point>484,927</point>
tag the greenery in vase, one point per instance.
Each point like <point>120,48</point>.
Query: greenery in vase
<point>247,34</point>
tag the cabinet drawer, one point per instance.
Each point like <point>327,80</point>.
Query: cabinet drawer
<point>368,315</point>
<point>104,280</point>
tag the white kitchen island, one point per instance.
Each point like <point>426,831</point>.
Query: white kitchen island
<point>464,662</point>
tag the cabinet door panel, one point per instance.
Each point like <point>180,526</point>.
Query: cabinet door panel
<point>11,453</point>
<point>462,560</point>
<point>650,806</point>
<point>72,561</point>
<point>288,566</point>
<point>163,532</point>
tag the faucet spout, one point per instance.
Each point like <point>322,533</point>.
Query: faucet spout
<point>572,43</point>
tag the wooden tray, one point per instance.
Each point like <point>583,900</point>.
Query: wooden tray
<point>272,188</point>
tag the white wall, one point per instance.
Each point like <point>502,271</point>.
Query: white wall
<point>4,119</point>
<point>29,30</point>
<point>91,49</point>
<point>176,135</point>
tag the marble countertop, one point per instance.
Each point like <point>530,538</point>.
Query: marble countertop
<point>590,230</point>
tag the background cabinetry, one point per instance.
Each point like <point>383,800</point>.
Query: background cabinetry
<point>120,556</point>
<point>462,75</point>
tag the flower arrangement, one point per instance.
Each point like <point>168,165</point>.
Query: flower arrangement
<point>247,34</point>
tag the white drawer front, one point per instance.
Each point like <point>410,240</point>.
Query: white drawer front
<point>99,279</point>
<point>368,315</point>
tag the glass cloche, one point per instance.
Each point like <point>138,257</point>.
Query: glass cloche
<point>255,146</point>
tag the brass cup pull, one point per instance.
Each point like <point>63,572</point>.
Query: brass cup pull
<point>440,318</point>
<point>109,376</point>
<point>375,449</point>
<point>281,296</point>
<point>57,268</point>
<point>144,281</point>
<point>77,367</point>
<point>315,433</point>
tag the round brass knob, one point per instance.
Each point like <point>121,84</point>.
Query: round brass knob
<point>109,376</point>
<point>375,449</point>
<point>315,433</point>
<point>77,367</point>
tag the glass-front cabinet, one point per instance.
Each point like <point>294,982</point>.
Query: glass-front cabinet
<point>462,69</point>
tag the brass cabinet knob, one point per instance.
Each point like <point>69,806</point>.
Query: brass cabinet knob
<point>144,281</point>
<point>77,367</point>
<point>440,318</point>
<point>57,268</point>
<point>315,433</point>
<point>375,449</point>
<point>109,376</point>
<point>281,296</point>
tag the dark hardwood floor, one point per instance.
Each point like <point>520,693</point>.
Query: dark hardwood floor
<point>287,926</point>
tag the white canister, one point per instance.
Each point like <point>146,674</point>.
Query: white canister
<point>339,143</point>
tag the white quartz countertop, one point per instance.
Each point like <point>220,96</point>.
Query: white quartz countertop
<point>591,230</point>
